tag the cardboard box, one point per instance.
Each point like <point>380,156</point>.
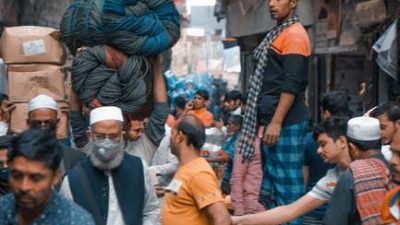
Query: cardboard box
<point>27,81</point>
<point>19,116</point>
<point>30,44</point>
<point>368,13</point>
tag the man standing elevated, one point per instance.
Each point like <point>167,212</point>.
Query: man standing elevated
<point>276,102</point>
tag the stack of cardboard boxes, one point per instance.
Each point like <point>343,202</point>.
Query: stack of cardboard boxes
<point>34,57</point>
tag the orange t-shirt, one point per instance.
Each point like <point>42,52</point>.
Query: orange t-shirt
<point>193,188</point>
<point>292,40</point>
<point>205,116</point>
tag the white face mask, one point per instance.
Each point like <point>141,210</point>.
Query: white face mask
<point>3,128</point>
<point>106,149</point>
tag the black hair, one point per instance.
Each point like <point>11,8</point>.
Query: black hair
<point>387,108</point>
<point>37,144</point>
<point>3,97</point>
<point>227,97</point>
<point>180,102</point>
<point>203,93</point>
<point>334,127</point>
<point>193,129</point>
<point>236,119</point>
<point>394,115</point>
<point>336,103</point>
<point>233,96</point>
<point>366,145</point>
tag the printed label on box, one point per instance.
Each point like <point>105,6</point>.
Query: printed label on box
<point>34,47</point>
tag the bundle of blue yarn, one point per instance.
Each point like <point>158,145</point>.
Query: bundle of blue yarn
<point>135,27</point>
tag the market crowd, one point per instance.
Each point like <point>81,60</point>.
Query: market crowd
<point>261,162</point>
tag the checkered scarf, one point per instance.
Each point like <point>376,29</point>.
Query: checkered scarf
<point>246,142</point>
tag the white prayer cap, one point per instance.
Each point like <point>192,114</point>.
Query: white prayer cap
<point>42,101</point>
<point>106,113</point>
<point>363,129</point>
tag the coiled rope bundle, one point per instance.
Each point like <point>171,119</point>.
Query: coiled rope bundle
<point>136,27</point>
<point>104,74</point>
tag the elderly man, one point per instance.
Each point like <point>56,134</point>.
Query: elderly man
<point>34,160</point>
<point>43,114</point>
<point>193,196</point>
<point>360,191</point>
<point>115,187</point>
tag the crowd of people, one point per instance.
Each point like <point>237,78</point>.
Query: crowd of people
<point>279,168</point>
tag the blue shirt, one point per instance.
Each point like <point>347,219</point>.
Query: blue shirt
<point>229,148</point>
<point>59,211</point>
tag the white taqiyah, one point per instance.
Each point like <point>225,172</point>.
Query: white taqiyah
<point>42,101</point>
<point>106,113</point>
<point>363,129</point>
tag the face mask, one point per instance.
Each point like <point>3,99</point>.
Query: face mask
<point>4,174</point>
<point>106,149</point>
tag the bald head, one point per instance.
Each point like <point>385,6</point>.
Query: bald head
<point>191,120</point>
<point>193,129</point>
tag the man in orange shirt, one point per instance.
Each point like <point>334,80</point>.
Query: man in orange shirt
<point>193,197</point>
<point>199,108</point>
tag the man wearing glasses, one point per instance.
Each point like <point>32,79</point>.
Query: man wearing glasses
<point>115,187</point>
<point>43,114</point>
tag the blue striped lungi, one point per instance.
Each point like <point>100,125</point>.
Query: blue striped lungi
<point>283,168</point>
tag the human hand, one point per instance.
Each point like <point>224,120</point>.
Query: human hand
<point>85,111</point>
<point>65,109</point>
<point>80,50</point>
<point>95,103</point>
<point>160,191</point>
<point>272,134</point>
<point>189,106</point>
<point>5,111</point>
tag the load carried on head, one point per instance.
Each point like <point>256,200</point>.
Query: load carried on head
<point>119,75</point>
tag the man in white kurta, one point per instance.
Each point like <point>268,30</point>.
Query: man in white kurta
<point>108,163</point>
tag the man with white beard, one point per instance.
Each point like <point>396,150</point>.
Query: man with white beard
<point>115,187</point>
